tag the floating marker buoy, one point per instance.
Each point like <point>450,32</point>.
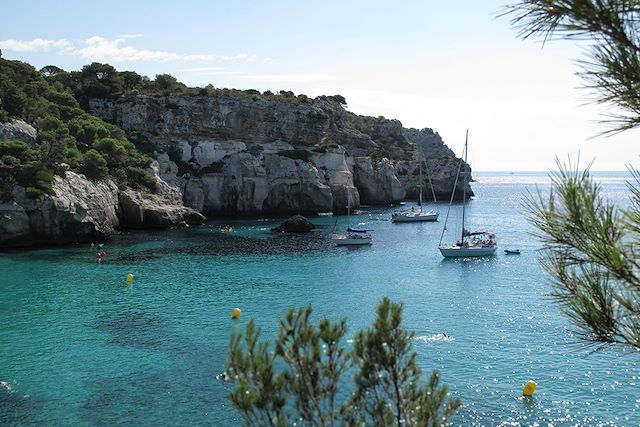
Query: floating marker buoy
<point>235,313</point>
<point>529,388</point>
<point>129,278</point>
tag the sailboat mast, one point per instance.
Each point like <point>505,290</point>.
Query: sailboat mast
<point>433,191</point>
<point>453,192</point>
<point>420,168</point>
<point>464,182</point>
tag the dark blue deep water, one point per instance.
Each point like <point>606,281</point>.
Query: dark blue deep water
<point>81,347</point>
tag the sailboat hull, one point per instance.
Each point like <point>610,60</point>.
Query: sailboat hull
<point>462,252</point>
<point>414,216</point>
<point>351,240</point>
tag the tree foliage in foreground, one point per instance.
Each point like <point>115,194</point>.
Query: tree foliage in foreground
<point>302,376</point>
<point>590,247</point>
<point>612,66</point>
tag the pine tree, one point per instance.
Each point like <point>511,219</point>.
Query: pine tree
<point>302,376</point>
<point>590,246</point>
<point>611,29</point>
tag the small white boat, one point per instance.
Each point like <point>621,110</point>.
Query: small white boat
<point>411,215</point>
<point>512,251</point>
<point>414,216</point>
<point>354,237</point>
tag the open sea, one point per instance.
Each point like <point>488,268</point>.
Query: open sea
<point>81,347</point>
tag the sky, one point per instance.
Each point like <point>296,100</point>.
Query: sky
<point>449,66</point>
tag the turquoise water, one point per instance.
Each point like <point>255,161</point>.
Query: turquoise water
<point>81,347</point>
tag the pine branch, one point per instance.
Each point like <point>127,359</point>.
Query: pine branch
<point>611,27</point>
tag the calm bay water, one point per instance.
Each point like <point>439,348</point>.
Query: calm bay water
<point>81,347</point>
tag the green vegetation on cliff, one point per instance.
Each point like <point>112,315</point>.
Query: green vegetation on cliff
<point>68,137</point>
<point>103,81</point>
<point>56,103</point>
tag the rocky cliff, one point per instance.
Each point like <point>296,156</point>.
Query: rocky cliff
<point>81,209</point>
<point>244,155</point>
<point>225,155</point>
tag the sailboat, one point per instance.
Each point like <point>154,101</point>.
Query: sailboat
<point>353,236</point>
<point>471,244</point>
<point>417,216</point>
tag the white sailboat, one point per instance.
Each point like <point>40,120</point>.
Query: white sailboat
<point>471,244</point>
<point>353,236</point>
<point>417,216</point>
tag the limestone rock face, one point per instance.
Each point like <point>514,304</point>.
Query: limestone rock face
<point>377,185</point>
<point>80,210</point>
<point>429,143</point>
<point>18,130</point>
<point>14,224</point>
<point>83,210</point>
<point>336,173</point>
<point>443,176</point>
<point>206,152</point>
<point>250,155</point>
<point>146,210</point>
<point>167,120</point>
<point>440,174</point>
<point>248,184</point>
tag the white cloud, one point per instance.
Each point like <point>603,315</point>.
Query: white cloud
<point>212,71</point>
<point>116,50</point>
<point>104,50</point>
<point>204,69</point>
<point>130,36</point>
<point>287,78</point>
<point>34,45</point>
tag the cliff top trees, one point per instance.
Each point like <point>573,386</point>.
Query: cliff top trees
<point>99,81</point>
<point>66,133</point>
<point>590,247</point>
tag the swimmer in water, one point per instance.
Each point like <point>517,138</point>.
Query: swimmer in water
<point>5,386</point>
<point>224,376</point>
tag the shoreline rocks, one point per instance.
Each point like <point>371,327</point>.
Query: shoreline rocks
<point>82,211</point>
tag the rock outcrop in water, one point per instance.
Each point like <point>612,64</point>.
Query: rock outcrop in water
<point>295,224</point>
<point>232,155</point>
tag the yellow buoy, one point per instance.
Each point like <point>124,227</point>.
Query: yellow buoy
<point>235,313</point>
<point>129,278</point>
<point>529,388</point>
